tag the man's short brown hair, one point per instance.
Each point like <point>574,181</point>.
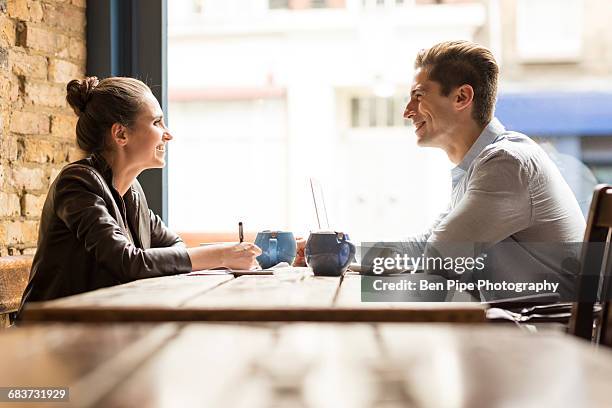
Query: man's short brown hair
<point>456,63</point>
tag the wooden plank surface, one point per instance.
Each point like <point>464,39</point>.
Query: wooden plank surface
<point>136,298</point>
<point>14,275</point>
<point>220,371</point>
<point>288,365</point>
<point>292,296</point>
<point>356,365</point>
<point>247,298</point>
<point>270,291</point>
<point>89,360</point>
<point>349,297</point>
<point>167,291</point>
<point>308,364</point>
<point>477,366</point>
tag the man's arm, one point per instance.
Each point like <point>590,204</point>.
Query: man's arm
<point>415,245</point>
<point>496,205</point>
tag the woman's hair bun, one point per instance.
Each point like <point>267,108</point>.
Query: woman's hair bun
<point>79,92</point>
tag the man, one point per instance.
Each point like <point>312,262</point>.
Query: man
<point>508,198</point>
<point>505,188</point>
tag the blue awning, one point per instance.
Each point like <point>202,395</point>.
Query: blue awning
<point>556,113</point>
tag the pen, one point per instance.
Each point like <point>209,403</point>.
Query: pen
<point>240,232</point>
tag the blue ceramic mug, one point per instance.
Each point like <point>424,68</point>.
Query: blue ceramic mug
<point>276,247</point>
<point>329,253</point>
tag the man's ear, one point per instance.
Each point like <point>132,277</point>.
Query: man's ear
<point>464,96</point>
<point>118,134</point>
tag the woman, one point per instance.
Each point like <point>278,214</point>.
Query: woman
<point>96,229</point>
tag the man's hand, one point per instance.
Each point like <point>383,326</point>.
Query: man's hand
<point>300,259</point>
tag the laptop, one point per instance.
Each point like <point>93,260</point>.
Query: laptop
<point>319,204</point>
<point>318,199</point>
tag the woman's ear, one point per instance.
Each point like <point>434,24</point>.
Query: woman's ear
<point>464,97</point>
<point>118,134</point>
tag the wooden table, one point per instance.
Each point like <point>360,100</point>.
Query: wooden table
<point>14,273</point>
<point>220,297</point>
<point>305,364</point>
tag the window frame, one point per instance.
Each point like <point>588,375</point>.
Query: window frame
<point>130,39</point>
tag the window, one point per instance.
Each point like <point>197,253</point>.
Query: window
<point>255,110</point>
<point>237,147</point>
<point>259,105</point>
<point>377,112</point>
<point>198,6</point>
<point>595,152</point>
<point>278,4</point>
<point>555,38</point>
<point>305,4</point>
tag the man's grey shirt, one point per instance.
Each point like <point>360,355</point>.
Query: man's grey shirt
<point>507,191</point>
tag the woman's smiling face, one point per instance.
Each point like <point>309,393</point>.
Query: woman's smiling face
<point>147,137</point>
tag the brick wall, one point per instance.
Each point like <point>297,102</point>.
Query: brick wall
<point>42,47</point>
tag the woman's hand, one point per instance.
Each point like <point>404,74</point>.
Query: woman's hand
<point>240,256</point>
<point>300,259</point>
<point>234,256</point>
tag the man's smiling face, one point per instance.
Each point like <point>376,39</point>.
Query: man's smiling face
<point>431,113</point>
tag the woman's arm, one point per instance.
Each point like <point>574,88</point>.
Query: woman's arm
<point>162,236</point>
<point>207,257</point>
<point>233,256</point>
<point>79,204</point>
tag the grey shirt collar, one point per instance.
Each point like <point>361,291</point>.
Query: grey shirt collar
<point>489,134</point>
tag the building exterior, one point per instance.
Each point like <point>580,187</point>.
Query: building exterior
<point>266,94</point>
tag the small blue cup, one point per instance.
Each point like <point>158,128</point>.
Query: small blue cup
<point>276,247</point>
<point>329,253</point>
